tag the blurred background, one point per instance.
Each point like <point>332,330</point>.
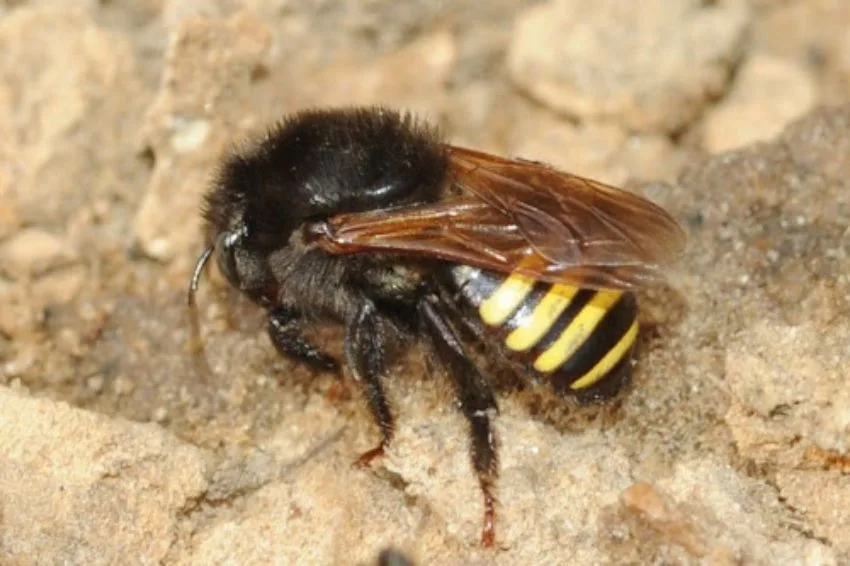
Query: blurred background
<point>113,114</point>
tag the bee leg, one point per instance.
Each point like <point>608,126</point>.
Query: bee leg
<point>366,344</point>
<point>285,333</point>
<point>476,400</point>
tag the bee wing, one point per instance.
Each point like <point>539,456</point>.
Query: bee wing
<point>511,215</point>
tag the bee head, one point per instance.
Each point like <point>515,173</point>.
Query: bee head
<point>241,259</point>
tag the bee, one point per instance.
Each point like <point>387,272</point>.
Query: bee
<point>366,217</point>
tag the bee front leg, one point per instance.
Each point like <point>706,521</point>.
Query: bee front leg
<point>476,400</point>
<point>286,334</point>
<point>366,347</point>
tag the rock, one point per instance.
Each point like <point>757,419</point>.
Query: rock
<point>752,111</point>
<point>413,77</point>
<point>211,67</point>
<point>70,105</point>
<point>45,271</point>
<point>823,497</point>
<point>652,506</point>
<point>786,393</point>
<point>651,66</point>
<point>311,517</point>
<point>10,214</point>
<point>709,517</point>
<point>690,522</point>
<point>32,252</point>
<point>784,335</point>
<point>813,35</point>
<point>301,501</point>
<point>792,410</point>
<point>59,287</point>
<point>19,317</point>
<point>591,150</point>
<point>536,464</point>
<point>819,143</point>
<point>175,12</point>
<point>601,151</point>
<point>81,488</point>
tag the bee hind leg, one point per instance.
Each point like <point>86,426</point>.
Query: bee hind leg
<point>476,400</point>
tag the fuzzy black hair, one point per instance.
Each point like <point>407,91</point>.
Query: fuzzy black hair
<point>317,163</point>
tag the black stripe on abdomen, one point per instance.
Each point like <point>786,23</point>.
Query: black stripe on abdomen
<point>603,341</point>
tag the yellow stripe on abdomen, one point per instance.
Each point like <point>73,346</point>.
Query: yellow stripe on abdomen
<point>496,308</point>
<point>545,314</point>
<point>611,359</point>
<point>577,332</point>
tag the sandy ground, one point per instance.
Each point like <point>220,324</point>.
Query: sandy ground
<point>730,448</point>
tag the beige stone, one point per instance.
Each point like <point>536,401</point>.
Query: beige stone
<point>768,94</point>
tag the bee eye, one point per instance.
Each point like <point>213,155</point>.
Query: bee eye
<point>225,245</point>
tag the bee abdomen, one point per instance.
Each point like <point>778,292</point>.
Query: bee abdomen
<point>581,340</point>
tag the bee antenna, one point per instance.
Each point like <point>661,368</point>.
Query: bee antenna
<point>195,344</point>
<point>196,274</point>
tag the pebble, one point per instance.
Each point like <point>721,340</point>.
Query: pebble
<point>651,65</point>
<point>32,251</point>
<point>752,111</point>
